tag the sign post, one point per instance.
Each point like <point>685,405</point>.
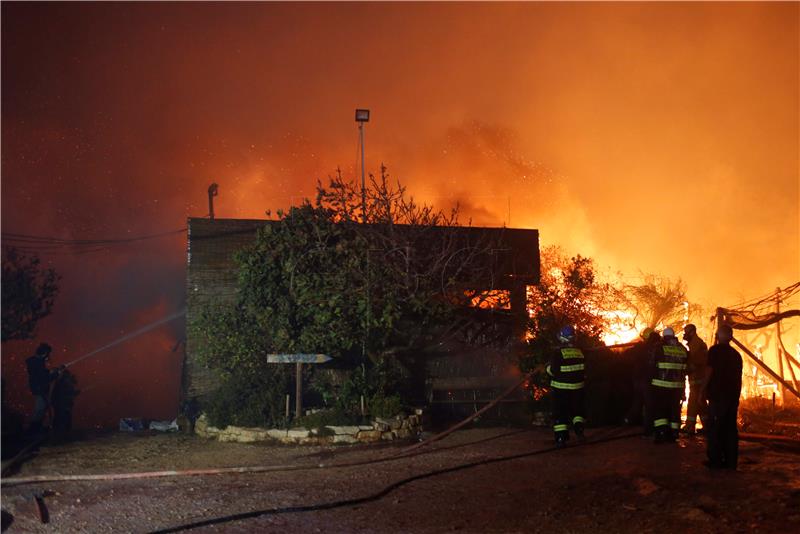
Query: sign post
<point>298,360</point>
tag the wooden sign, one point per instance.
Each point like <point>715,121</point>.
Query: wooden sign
<point>298,358</point>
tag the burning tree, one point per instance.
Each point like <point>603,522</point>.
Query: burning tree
<point>29,292</point>
<point>656,300</point>
<point>569,293</point>
<point>364,282</point>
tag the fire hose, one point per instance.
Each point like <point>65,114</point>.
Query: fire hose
<point>271,468</point>
<point>403,453</point>
<point>126,337</point>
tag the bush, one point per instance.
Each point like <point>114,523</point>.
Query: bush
<point>382,406</point>
<point>251,398</point>
<point>378,382</point>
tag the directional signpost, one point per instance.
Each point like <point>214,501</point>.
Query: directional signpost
<point>298,360</point>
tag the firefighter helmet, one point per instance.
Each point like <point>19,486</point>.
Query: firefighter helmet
<point>668,332</point>
<point>566,334</point>
<point>646,333</point>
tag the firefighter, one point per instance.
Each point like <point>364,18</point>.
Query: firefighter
<point>641,381</point>
<point>724,388</point>
<point>667,386</point>
<point>566,370</point>
<point>39,379</point>
<point>643,374</point>
<point>697,369</point>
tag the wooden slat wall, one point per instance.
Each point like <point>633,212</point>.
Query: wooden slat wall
<point>211,276</point>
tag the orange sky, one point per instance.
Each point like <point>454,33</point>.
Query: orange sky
<point>654,137</point>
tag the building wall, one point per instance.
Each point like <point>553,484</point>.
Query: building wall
<point>212,275</point>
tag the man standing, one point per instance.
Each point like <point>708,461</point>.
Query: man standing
<point>567,374</point>
<point>667,387</point>
<point>641,408</point>
<point>724,388</point>
<point>698,365</point>
<point>39,379</point>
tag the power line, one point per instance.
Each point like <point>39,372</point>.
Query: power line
<point>58,240</point>
<point>37,243</point>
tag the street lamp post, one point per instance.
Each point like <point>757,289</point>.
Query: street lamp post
<point>362,116</point>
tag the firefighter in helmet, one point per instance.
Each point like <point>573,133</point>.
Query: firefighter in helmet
<point>567,375</point>
<point>667,386</point>
<point>641,407</point>
<point>698,378</point>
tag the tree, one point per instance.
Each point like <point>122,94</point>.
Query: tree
<point>568,294</point>
<point>29,292</point>
<point>318,280</point>
<point>657,300</point>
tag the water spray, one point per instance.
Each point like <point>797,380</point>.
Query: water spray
<point>127,337</point>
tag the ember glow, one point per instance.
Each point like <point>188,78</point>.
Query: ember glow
<point>622,327</point>
<point>628,133</point>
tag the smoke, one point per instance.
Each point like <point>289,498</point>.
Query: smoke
<point>654,137</point>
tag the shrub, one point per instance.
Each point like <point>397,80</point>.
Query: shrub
<point>385,406</point>
<point>251,398</point>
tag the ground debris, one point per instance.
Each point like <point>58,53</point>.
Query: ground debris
<point>611,489</point>
<point>645,486</point>
<point>698,514</point>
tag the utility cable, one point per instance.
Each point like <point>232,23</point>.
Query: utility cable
<point>61,241</point>
<point>55,245</point>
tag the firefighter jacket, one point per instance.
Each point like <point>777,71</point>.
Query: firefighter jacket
<point>698,360</point>
<point>566,369</point>
<point>39,376</point>
<point>670,367</point>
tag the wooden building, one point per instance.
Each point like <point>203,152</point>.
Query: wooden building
<point>212,277</point>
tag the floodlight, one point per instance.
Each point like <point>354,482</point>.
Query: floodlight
<point>362,115</point>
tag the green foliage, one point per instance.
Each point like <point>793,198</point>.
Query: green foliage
<point>302,283</point>
<point>375,381</point>
<point>318,280</point>
<point>228,340</point>
<point>251,398</point>
<point>28,294</point>
<point>385,406</point>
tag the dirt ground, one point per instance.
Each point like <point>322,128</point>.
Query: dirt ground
<point>478,480</point>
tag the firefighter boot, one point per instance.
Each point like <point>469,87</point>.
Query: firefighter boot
<point>579,432</point>
<point>561,431</point>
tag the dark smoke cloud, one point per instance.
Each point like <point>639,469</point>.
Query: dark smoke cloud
<point>660,137</point>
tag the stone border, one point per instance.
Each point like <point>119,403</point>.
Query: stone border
<point>381,429</point>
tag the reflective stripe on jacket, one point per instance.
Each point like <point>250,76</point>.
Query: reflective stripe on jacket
<point>566,369</point>
<point>670,369</point>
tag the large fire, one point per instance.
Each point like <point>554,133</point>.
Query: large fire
<point>621,327</point>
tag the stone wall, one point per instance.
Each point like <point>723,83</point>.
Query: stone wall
<point>381,429</point>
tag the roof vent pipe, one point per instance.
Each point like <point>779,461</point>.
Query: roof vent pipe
<point>212,192</point>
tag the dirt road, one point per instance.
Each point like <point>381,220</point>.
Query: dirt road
<point>479,480</point>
